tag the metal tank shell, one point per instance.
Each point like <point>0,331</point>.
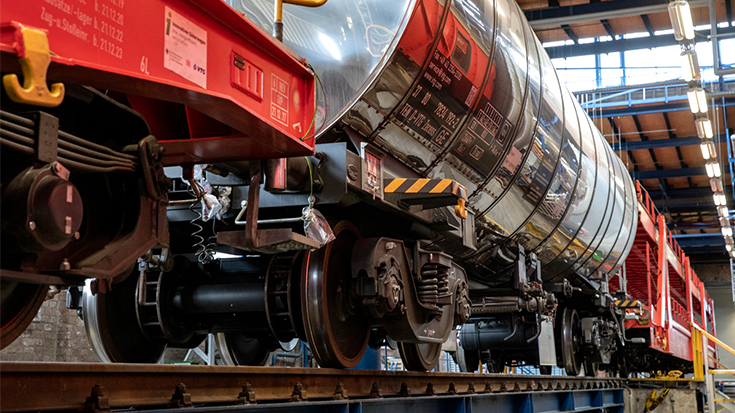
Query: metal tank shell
<point>464,90</point>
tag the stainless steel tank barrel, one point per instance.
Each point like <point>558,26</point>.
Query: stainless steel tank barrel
<point>463,89</point>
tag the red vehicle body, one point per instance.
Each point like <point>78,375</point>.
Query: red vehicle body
<point>658,276</point>
<point>248,98</point>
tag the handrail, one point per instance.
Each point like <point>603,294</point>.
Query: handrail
<point>715,339</point>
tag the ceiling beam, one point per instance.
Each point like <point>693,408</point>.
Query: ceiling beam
<point>656,143</point>
<point>702,241</point>
<point>687,192</point>
<point>645,110</point>
<point>581,13</point>
<point>668,173</point>
<point>691,236</point>
<point>622,45</point>
<point>648,25</point>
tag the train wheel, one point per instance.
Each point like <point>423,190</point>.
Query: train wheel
<point>420,357</point>
<point>336,329</point>
<point>20,303</point>
<point>238,349</point>
<point>113,327</point>
<point>569,338</point>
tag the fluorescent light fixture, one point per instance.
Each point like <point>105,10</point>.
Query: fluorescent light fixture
<point>704,128</point>
<point>715,184</point>
<point>727,231</point>
<point>713,169</point>
<point>705,151</point>
<point>681,20</point>
<point>719,199</point>
<point>697,100</point>
<point>723,211</point>
<point>729,241</point>
<point>724,222</point>
<point>690,65</point>
<point>708,149</point>
<point>728,247</point>
<point>712,150</point>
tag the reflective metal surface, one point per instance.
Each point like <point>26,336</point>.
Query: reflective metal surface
<point>463,90</point>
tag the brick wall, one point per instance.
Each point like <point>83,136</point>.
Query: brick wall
<point>56,334</point>
<point>713,274</point>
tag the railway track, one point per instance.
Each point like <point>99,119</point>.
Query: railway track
<point>100,387</point>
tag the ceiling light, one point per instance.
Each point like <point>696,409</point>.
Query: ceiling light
<point>681,20</point>
<point>719,199</point>
<point>723,211</point>
<point>713,169</point>
<point>705,151</point>
<point>710,171</point>
<point>697,100</point>
<point>715,184</point>
<point>727,231</point>
<point>712,150</point>
<point>729,241</point>
<point>704,128</point>
<point>728,247</point>
<point>724,222</point>
<point>690,65</point>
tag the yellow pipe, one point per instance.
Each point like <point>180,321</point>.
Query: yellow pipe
<point>715,339</point>
<point>279,11</point>
<point>306,3</point>
<point>278,17</point>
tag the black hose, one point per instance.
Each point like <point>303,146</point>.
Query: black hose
<point>17,146</point>
<point>93,161</point>
<point>24,140</point>
<point>71,164</point>
<point>26,126</point>
<point>95,146</point>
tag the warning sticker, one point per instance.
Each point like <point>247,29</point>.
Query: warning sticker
<point>185,48</point>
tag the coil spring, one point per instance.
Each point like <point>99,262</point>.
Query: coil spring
<point>433,284</point>
<point>204,250</point>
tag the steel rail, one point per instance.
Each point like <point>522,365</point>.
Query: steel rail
<point>64,386</point>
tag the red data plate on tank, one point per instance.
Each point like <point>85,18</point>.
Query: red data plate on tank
<point>200,54</point>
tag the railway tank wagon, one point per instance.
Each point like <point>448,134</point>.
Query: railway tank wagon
<point>463,91</point>
<point>457,184</point>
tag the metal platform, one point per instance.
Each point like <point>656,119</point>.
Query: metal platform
<point>116,387</point>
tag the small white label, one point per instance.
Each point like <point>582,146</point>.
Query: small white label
<point>185,48</point>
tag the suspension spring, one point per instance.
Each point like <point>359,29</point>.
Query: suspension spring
<point>204,251</point>
<point>433,285</point>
